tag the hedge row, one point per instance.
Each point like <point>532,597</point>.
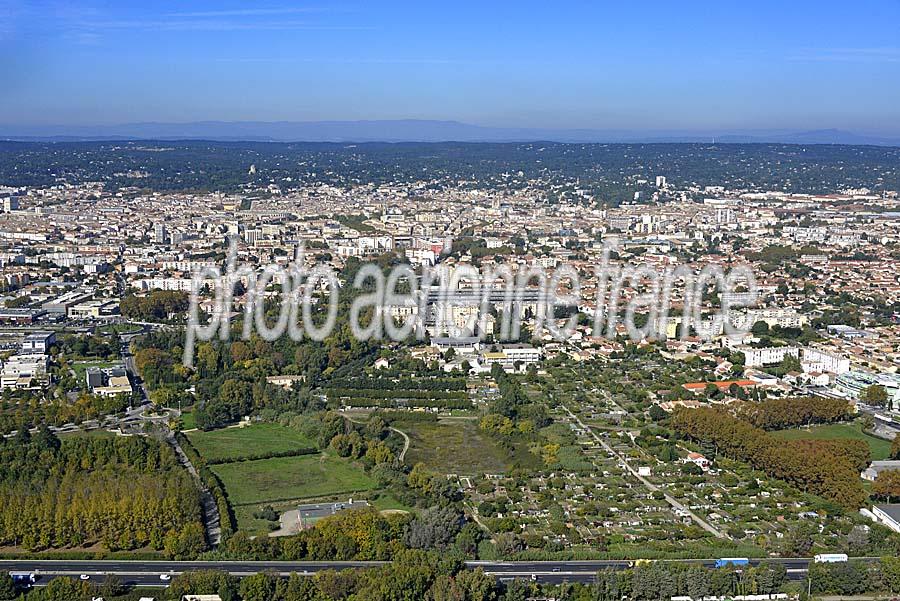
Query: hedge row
<point>373,393</point>
<point>394,403</point>
<point>258,456</point>
<point>400,383</point>
<point>227,520</point>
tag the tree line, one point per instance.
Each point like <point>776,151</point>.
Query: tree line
<point>391,403</point>
<point>397,393</point>
<point>400,383</point>
<point>828,468</point>
<point>227,519</point>
<point>158,305</point>
<point>779,413</point>
<point>26,409</point>
<point>123,493</point>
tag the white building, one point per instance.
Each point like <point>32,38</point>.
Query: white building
<point>25,372</point>
<point>510,356</point>
<point>888,515</point>
<point>756,357</point>
<point>823,361</point>
<point>38,343</point>
<point>784,318</point>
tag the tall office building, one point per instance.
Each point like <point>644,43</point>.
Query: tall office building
<point>159,233</point>
<point>10,204</point>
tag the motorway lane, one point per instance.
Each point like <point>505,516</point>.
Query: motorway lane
<point>147,573</point>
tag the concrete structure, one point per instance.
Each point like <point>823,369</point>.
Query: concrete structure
<point>94,309</point>
<point>25,372</point>
<point>60,305</point>
<point>756,357</point>
<point>21,316</point>
<point>872,472</point>
<point>815,360</point>
<point>286,381</point>
<point>854,383</point>
<point>888,515</point>
<point>462,343</point>
<point>784,318</point>
<point>38,343</point>
<point>511,355</point>
<point>10,204</point>
<point>109,381</point>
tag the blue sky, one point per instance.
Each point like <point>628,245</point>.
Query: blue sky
<point>624,65</point>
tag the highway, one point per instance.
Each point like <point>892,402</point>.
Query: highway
<point>147,573</point>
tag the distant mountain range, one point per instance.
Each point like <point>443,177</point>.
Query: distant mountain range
<point>411,130</point>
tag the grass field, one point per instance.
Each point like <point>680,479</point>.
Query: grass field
<point>188,422</point>
<point>256,439</point>
<point>879,448</point>
<point>284,478</point>
<point>459,447</point>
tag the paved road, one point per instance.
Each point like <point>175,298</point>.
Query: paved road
<point>147,573</point>
<point>212,521</point>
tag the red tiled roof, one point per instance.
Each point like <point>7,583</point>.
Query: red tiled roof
<point>724,385</point>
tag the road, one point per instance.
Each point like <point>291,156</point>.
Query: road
<point>147,573</point>
<point>212,521</point>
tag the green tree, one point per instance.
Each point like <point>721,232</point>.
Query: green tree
<point>7,587</point>
<point>760,328</point>
<point>112,587</point>
<point>259,587</point>
<point>657,413</point>
<point>67,589</point>
<point>186,543</point>
<point>887,485</point>
<point>875,395</point>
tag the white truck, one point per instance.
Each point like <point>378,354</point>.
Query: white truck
<point>830,558</point>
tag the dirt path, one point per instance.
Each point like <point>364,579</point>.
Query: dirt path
<point>405,443</point>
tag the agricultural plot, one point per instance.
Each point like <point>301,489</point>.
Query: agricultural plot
<point>255,440</point>
<point>457,446</point>
<point>289,478</point>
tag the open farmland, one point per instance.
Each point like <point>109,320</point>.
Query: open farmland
<point>286,478</point>
<point>255,440</point>
<point>457,446</point>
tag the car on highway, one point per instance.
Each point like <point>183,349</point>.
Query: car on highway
<point>165,577</point>
<point>84,577</point>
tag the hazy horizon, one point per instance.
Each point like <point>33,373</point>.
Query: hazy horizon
<point>770,66</point>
